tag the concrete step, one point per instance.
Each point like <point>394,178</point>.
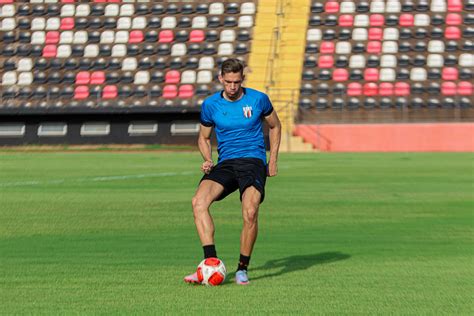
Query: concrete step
<point>294,144</point>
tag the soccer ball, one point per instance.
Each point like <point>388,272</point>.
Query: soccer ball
<point>211,271</point>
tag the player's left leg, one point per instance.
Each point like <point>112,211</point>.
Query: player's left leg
<point>250,204</point>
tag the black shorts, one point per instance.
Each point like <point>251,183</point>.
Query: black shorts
<point>239,173</point>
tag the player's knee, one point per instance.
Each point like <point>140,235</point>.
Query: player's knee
<point>199,205</point>
<point>250,215</point>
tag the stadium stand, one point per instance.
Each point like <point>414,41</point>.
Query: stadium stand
<point>124,63</point>
<point>376,61</point>
<point>101,48</point>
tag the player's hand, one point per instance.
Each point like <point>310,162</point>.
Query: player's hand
<point>207,166</point>
<point>272,169</point>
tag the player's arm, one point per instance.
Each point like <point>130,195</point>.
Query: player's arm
<point>275,136</point>
<point>204,144</point>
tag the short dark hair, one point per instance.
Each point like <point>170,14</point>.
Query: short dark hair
<point>233,65</point>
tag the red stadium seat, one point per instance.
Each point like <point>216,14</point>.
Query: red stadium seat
<point>406,20</point>
<point>452,32</point>
<point>170,91</point>
<point>52,37</point>
<point>340,74</point>
<point>374,47</point>
<point>375,34</point>
<point>386,89</point>
<point>331,7</point>
<point>172,76</point>
<point>166,36</point>
<point>325,61</point>
<point>465,88</point>
<point>109,92</point>
<point>370,89</point>
<point>371,74</point>
<point>453,19</point>
<point>197,36</point>
<point>81,92</point>
<point>327,48</point>
<point>354,89</point>
<point>136,37</point>
<point>402,89</point>
<point>448,88</point>
<point>377,20</point>
<point>67,24</point>
<point>449,73</point>
<point>346,20</point>
<point>454,5</point>
<point>83,77</point>
<point>186,91</point>
<point>97,77</point>
<point>50,51</point>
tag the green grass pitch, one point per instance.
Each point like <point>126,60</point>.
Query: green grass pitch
<point>113,233</point>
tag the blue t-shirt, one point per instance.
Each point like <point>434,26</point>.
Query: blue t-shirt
<point>238,124</point>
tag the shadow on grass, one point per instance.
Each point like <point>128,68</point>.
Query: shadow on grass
<point>295,263</point>
<point>298,263</point>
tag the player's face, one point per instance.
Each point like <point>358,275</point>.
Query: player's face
<point>232,83</point>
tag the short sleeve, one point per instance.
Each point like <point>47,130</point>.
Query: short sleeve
<point>267,107</point>
<point>206,117</point>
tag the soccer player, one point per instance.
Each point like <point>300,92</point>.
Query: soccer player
<point>237,116</point>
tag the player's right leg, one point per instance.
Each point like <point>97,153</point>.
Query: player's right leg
<point>207,192</point>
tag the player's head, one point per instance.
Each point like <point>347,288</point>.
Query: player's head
<point>231,77</point>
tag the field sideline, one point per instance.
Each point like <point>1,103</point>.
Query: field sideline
<point>113,233</point>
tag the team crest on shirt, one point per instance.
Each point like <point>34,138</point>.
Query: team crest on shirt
<point>247,111</point>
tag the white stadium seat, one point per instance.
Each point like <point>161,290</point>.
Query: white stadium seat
<point>388,61</point>
<point>9,78</point>
<point>38,37</point>
<point>80,37</point>
<point>142,77</point>
<point>418,74</point>
<point>390,47</point>
<point>216,8</point>
<point>83,9</point>
<point>169,22</point>
<point>178,49</point>
<point>357,61</point>
<point>227,36</point>
<point>247,8</point>
<point>64,51</point>
<point>91,50</point>
<point>245,21</point>
<point>343,48</point>
<point>119,50</point>
<point>53,24</point>
<point>347,7</point>
<point>112,10</point>
<point>436,46</point>
<point>129,63</point>
<point>25,78</point>
<point>435,60</point>
<point>314,35</point>
<point>25,64</point>
<point>68,10</point>
<point>393,6</point>
<point>206,62</point>
<point>199,22</point>
<point>387,74</point>
<point>188,76</point>
<point>66,37</point>
<point>204,76</point>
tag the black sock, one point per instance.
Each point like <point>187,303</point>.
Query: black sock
<point>243,262</point>
<point>209,251</point>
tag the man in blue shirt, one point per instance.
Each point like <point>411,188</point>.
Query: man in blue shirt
<point>237,116</point>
